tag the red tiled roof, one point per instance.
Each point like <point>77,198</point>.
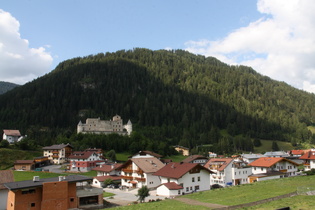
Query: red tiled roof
<point>107,168</point>
<point>297,152</point>
<point>224,161</point>
<point>5,176</point>
<point>308,156</point>
<point>172,186</point>
<point>269,161</point>
<point>192,158</point>
<point>177,170</point>
<point>12,132</point>
<point>103,178</point>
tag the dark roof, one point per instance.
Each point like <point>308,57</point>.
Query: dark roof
<point>193,157</point>
<point>177,170</point>
<point>57,146</point>
<point>172,186</point>
<point>24,162</point>
<point>81,155</point>
<point>274,173</point>
<point>103,178</point>
<point>31,183</point>
<point>5,176</point>
<point>107,167</point>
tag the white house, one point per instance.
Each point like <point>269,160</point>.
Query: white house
<point>271,168</point>
<point>146,154</point>
<point>108,169</point>
<point>137,172</point>
<point>84,161</point>
<point>5,176</point>
<point>11,136</point>
<point>58,153</point>
<point>309,160</point>
<point>228,171</point>
<point>181,178</point>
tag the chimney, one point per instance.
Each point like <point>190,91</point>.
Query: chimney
<point>35,178</point>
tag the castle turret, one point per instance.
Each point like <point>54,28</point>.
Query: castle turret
<point>79,127</point>
<point>128,127</point>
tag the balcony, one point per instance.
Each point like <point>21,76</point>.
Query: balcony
<point>127,170</point>
<point>55,152</point>
<point>127,177</point>
<point>140,179</point>
<point>139,172</point>
<point>55,156</point>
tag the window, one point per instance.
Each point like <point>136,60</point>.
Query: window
<point>187,189</point>
<point>178,192</point>
<point>198,178</point>
<point>197,187</point>
<point>190,188</point>
<point>193,179</point>
<point>32,204</point>
<point>71,199</point>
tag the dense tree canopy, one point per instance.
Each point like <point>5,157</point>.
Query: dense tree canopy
<point>171,97</point>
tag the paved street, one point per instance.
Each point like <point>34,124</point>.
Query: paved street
<point>53,168</point>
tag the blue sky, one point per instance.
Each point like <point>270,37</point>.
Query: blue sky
<point>38,34</point>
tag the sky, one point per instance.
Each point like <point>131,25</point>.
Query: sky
<point>275,37</point>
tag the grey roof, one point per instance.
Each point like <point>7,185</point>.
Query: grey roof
<point>252,156</point>
<point>31,183</point>
<point>57,146</point>
<point>277,153</point>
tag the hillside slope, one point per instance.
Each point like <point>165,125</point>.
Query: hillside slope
<point>6,86</point>
<point>167,95</point>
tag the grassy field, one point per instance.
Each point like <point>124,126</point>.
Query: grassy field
<point>245,194</point>
<point>267,146</point>
<point>311,128</point>
<point>8,156</point>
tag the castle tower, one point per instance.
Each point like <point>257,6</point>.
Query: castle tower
<point>79,127</point>
<point>128,127</point>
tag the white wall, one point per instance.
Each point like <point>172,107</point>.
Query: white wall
<point>164,191</point>
<point>3,199</point>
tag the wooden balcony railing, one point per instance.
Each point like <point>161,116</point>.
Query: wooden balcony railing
<point>127,177</point>
<point>140,179</point>
<point>127,170</point>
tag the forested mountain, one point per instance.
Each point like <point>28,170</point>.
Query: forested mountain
<point>6,86</point>
<point>173,97</point>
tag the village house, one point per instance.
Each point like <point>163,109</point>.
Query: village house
<point>228,171</point>
<point>11,136</point>
<point>142,154</point>
<point>297,153</point>
<point>98,181</point>
<point>137,172</point>
<point>84,161</point>
<point>113,169</point>
<point>309,160</point>
<point>24,165</point>
<point>5,176</point>
<point>180,178</point>
<point>196,159</point>
<point>272,168</point>
<point>98,126</point>
<point>58,154</point>
<point>63,192</point>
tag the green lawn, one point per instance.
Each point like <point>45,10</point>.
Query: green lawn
<point>108,194</point>
<point>253,192</point>
<point>28,175</point>
<point>176,158</point>
<point>267,146</point>
<point>122,157</point>
<point>296,202</point>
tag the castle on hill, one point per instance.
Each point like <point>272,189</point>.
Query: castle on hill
<point>98,126</point>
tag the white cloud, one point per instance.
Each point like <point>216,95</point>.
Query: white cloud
<point>18,62</point>
<point>281,44</point>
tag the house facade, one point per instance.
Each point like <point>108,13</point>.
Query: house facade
<point>24,165</point>
<point>11,136</point>
<point>228,172</point>
<point>58,154</point>
<point>98,126</point>
<point>113,169</point>
<point>271,168</point>
<point>308,160</point>
<point>53,193</point>
<point>181,178</point>
<point>137,172</point>
<point>84,161</point>
<point>5,176</point>
<point>183,150</point>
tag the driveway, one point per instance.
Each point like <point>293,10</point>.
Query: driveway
<point>123,197</point>
<point>53,168</point>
